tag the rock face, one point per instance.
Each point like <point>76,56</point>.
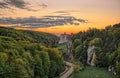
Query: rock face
<point>112,69</point>
<point>69,46</point>
<point>91,55</point>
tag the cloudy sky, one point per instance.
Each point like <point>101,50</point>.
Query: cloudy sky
<point>59,16</point>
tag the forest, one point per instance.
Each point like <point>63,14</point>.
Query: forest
<point>107,47</point>
<point>29,54</point>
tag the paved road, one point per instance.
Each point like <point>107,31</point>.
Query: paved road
<point>69,71</point>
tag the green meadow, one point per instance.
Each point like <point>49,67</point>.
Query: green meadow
<point>93,72</point>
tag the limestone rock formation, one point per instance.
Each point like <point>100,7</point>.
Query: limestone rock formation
<point>91,56</point>
<point>111,68</point>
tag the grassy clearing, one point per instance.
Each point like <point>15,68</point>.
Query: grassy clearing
<point>62,48</point>
<point>93,72</point>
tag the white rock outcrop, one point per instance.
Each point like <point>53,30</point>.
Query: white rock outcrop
<point>91,55</point>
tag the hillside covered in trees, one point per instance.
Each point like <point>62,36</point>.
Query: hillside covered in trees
<point>31,36</point>
<point>106,43</point>
<point>28,54</point>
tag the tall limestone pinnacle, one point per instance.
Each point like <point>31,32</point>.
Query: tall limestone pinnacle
<point>91,55</point>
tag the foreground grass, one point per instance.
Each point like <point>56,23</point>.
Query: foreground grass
<point>93,72</point>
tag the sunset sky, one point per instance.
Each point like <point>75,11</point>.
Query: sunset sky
<point>59,16</point>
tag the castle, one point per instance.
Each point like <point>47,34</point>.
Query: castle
<point>66,39</point>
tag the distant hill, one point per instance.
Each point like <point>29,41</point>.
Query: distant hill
<point>38,37</point>
<point>45,38</point>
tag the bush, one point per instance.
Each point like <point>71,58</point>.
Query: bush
<point>78,66</point>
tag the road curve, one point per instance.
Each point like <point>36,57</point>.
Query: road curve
<point>69,70</point>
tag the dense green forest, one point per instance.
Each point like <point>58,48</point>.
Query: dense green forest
<point>107,46</point>
<point>32,36</point>
<point>28,54</point>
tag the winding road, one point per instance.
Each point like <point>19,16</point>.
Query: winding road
<point>69,70</point>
